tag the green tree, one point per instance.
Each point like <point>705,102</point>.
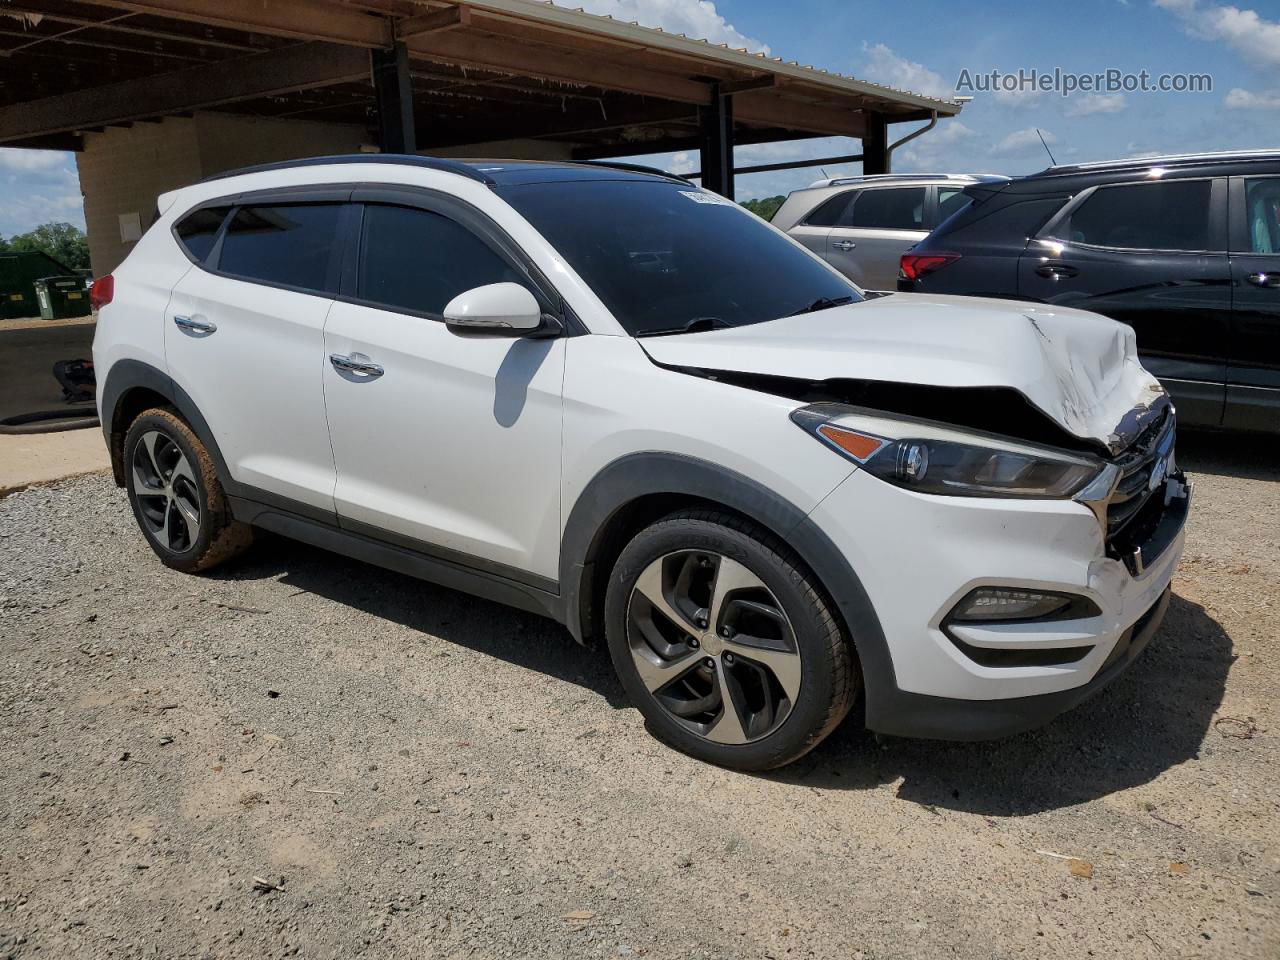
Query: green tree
<point>62,241</point>
<point>764,208</point>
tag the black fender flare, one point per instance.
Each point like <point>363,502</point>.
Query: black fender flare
<point>637,475</point>
<point>127,375</point>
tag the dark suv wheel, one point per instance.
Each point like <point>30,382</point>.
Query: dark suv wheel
<point>725,643</point>
<point>175,494</point>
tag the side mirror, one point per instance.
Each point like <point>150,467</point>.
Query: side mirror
<point>496,309</point>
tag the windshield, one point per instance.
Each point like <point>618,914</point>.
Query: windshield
<point>668,258</point>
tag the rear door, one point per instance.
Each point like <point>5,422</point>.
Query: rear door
<point>450,444</point>
<point>874,231</point>
<point>244,337</point>
<point>1253,364</point>
<point>1153,255</point>
<point>813,229</point>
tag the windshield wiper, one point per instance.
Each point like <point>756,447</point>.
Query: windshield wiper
<point>822,303</point>
<point>696,325</point>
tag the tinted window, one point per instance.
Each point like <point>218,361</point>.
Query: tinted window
<point>828,214</point>
<point>950,200</point>
<point>888,209</point>
<point>418,261</point>
<point>662,255</point>
<point>291,245</point>
<point>1145,216</point>
<point>1263,205</point>
<point>196,231</point>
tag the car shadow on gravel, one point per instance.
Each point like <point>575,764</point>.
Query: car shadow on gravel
<point>535,643</point>
<point>1249,456</point>
<point>1153,717</point>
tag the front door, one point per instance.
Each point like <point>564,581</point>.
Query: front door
<point>244,338</point>
<point>1253,366</point>
<point>874,232</point>
<point>445,443</point>
<point>1151,255</point>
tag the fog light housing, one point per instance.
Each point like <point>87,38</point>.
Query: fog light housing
<point>1004,604</point>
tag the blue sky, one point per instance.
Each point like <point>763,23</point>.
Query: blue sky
<point>923,46</point>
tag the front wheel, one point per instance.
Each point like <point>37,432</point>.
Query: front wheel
<point>725,643</point>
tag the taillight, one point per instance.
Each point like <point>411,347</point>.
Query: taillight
<point>102,292</point>
<point>916,265</point>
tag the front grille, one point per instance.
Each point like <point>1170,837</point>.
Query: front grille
<point>1134,490</point>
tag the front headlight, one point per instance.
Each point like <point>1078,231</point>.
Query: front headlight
<point>937,459</point>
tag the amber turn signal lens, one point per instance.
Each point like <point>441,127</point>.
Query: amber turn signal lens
<point>860,446</point>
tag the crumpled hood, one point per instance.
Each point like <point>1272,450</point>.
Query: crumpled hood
<point>1080,369</point>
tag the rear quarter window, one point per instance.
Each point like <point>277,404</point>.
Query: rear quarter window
<point>197,231</point>
<point>829,212</point>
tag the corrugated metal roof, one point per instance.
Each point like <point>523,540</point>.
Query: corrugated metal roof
<point>548,12</point>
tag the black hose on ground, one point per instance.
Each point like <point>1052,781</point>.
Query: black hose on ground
<point>50,421</point>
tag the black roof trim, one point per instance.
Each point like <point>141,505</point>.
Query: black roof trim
<point>1141,163</point>
<point>636,168</point>
<point>406,159</point>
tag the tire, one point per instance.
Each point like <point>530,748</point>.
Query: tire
<point>784,667</point>
<point>174,490</point>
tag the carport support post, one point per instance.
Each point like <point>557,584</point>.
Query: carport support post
<point>875,145</point>
<point>716,121</point>
<point>393,92</point>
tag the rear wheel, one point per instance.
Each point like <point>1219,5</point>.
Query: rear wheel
<point>725,643</point>
<point>176,496</point>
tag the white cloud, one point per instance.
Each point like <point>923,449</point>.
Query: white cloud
<point>1239,99</point>
<point>38,186</point>
<point>1025,140</point>
<point>682,162</point>
<point>1243,30</point>
<point>1096,103</point>
<point>1019,97</point>
<point>882,65</point>
<point>936,149</point>
<point>19,160</point>
<point>694,18</point>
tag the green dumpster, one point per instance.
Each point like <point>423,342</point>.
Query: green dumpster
<point>61,297</point>
<point>18,274</point>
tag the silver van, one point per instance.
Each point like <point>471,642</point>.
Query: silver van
<point>863,225</point>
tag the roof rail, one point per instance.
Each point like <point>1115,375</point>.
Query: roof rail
<point>407,159</point>
<point>636,168</point>
<point>1174,158</point>
<point>966,177</point>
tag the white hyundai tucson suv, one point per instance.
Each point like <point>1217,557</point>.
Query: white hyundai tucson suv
<point>607,396</point>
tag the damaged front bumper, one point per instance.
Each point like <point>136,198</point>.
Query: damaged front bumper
<point>965,681</point>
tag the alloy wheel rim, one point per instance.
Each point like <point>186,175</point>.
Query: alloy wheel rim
<point>165,487</point>
<point>713,646</point>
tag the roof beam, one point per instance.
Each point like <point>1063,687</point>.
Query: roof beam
<point>115,27</point>
<point>437,22</point>
<point>298,19</point>
<point>773,111</point>
<point>293,68</point>
<point>577,120</point>
<point>497,53</point>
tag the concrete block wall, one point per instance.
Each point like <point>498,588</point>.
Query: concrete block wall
<point>124,169</point>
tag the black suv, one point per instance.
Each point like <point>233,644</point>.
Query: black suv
<point>1186,250</point>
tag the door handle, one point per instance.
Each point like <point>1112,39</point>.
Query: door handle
<point>845,245</point>
<point>1056,271</point>
<point>194,325</point>
<point>360,367</point>
<point>1270,280</point>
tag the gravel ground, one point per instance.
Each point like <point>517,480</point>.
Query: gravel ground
<point>417,773</point>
